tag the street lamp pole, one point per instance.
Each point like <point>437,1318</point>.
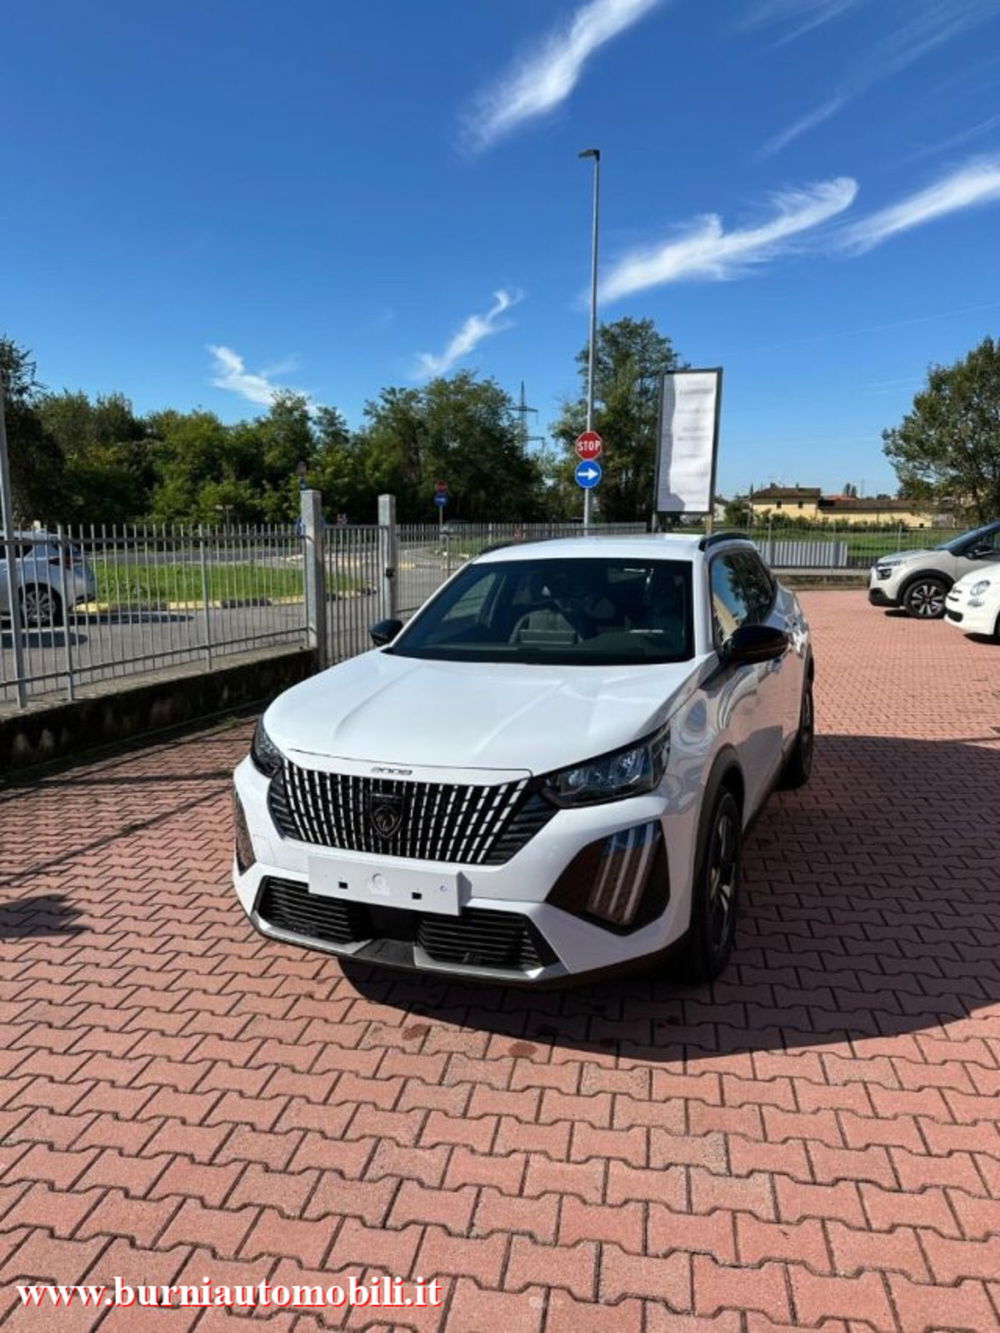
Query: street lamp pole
<point>595,153</point>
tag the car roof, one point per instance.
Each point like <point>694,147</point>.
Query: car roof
<point>658,545</point>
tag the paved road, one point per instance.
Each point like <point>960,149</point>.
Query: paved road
<point>812,1145</point>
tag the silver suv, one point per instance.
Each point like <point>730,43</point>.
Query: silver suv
<point>49,573</point>
<point>918,581</point>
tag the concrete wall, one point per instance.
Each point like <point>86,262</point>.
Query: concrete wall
<point>59,731</point>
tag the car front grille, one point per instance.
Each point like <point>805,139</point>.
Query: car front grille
<point>954,615</point>
<point>478,937</point>
<point>474,825</point>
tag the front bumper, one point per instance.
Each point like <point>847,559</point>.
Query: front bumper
<point>879,597</point>
<point>970,619</point>
<point>505,929</point>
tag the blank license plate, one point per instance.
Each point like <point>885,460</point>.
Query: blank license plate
<point>416,890</point>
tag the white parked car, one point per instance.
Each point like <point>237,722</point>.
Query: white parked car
<point>47,574</point>
<point>973,604</point>
<point>547,773</point>
<point>918,581</point>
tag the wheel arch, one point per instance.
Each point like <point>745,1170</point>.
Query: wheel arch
<point>938,575</point>
<point>725,772</point>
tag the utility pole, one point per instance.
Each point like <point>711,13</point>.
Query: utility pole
<point>595,153</point>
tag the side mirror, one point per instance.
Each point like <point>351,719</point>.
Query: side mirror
<point>384,631</point>
<point>755,643</point>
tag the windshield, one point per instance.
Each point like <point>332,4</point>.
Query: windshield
<point>586,611</point>
<point>956,542</point>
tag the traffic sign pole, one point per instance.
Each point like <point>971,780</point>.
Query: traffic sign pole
<point>595,153</point>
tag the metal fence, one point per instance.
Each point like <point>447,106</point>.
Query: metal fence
<point>83,606</point>
<point>354,564</point>
<point>86,606</point>
<point>832,547</point>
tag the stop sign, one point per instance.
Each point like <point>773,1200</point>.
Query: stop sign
<point>441,487</point>
<point>589,445</point>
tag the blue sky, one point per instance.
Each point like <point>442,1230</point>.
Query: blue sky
<point>337,197</point>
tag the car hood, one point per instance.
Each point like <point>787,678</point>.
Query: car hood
<point>909,555</point>
<point>402,710</point>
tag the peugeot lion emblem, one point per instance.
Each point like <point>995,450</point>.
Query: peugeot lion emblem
<point>385,810</point>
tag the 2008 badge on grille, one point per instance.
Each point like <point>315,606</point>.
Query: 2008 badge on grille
<point>385,811</point>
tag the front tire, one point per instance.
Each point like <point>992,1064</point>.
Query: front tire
<point>798,765</point>
<point>715,901</point>
<point>924,599</point>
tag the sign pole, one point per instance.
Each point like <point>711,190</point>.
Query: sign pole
<point>595,153</point>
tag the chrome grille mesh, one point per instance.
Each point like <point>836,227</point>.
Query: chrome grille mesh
<point>474,825</point>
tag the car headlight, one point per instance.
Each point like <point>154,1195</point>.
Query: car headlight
<point>979,588</point>
<point>265,754</point>
<point>885,569</point>
<point>627,772</point>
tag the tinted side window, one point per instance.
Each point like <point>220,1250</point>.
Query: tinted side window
<point>730,609</point>
<point>758,585</point>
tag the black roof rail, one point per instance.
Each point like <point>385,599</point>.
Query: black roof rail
<point>711,538</point>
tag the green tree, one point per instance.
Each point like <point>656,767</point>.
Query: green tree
<point>630,358</point>
<point>947,448</point>
<point>457,429</point>
<point>109,471</point>
<point>736,512</point>
<point>192,450</point>
<point>36,461</point>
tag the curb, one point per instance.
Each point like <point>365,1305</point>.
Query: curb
<point>225,604</point>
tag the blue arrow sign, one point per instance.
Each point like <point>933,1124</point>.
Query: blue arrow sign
<point>587,475</point>
<point>440,499</point>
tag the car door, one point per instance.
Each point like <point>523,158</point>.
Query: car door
<point>985,551</point>
<point>747,705</point>
<point>770,605</point>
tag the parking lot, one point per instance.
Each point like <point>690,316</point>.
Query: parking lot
<point>812,1144</point>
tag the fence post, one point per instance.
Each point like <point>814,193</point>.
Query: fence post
<point>204,593</point>
<point>315,575</point>
<point>388,546</point>
<point>64,550</point>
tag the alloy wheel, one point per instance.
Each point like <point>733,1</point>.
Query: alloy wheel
<point>723,873</point>
<point>807,732</point>
<point>926,600</point>
<point>39,608</point>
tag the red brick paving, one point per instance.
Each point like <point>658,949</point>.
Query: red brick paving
<point>814,1145</point>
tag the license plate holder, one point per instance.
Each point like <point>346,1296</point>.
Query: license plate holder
<point>386,886</point>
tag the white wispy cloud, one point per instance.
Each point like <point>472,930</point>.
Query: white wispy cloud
<point>971,185</point>
<point>705,250</point>
<point>801,126</point>
<point>797,16</point>
<point>229,372</point>
<point>545,76</point>
<point>953,140</point>
<point>927,25</point>
<point>472,332</point>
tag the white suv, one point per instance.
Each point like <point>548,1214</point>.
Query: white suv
<point>547,773</point>
<point>918,581</point>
